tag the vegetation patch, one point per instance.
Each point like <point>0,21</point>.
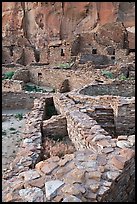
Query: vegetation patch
<point>8,75</point>
<point>122,77</point>
<point>66,65</point>
<point>35,88</point>
<point>107,74</point>
<point>19,116</point>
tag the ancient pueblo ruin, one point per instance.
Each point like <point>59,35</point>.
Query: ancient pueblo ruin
<point>68,101</point>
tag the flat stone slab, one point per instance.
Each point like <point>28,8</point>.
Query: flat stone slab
<point>71,198</point>
<point>51,188</point>
<point>32,194</point>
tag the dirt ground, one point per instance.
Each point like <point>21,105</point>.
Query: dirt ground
<point>12,128</point>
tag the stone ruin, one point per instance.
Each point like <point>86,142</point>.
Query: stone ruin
<point>95,164</point>
<point>78,143</point>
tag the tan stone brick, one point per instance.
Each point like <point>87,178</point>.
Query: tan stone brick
<point>118,161</point>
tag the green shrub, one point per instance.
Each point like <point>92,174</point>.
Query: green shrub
<point>66,65</point>
<point>19,116</point>
<point>107,74</point>
<point>34,88</point>
<point>122,77</point>
<point>8,75</point>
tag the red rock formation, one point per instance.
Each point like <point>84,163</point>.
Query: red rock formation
<point>41,22</point>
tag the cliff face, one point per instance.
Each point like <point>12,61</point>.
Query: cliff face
<point>38,23</point>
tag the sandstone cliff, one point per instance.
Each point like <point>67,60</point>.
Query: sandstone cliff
<point>38,23</point>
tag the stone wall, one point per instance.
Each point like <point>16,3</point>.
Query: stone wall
<point>55,126</point>
<point>59,54</point>
<point>12,100</point>
<point>123,107</point>
<point>10,67</point>
<point>119,190</point>
<point>104,115</point>
<point>55,77</point>
<point>117,88</point>
<point>95,174</point>
<point>125,119</point>
<point>22,75</point>
<point>12,85</point>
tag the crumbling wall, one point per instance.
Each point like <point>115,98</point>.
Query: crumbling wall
<point>125,118</point>
<point>116,88</point>
<point>22,75</point>
<point>12,85</point>
<point>55,126</point>
<point>13,100</point>
<point>55,77</point>
<point>123,107</point>
<point>95,174</point>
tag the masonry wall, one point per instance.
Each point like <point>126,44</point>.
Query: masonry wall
<point>125,120</point>
<point>55,126</point>
<point>55,77</point>
<point>95,174</point>
<point>123,188</point>
<point>79,125</point>
<point>104,115</point>
<point>124,110</point>
<point>11,100</point>
<point>118,88</point>
<point>55,56</point>
<point>12,85</point>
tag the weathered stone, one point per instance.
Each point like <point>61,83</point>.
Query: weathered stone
<point>94,175</point>
<point>118,161</point>
<point>29,175</point>
<point>131,139</point>
<point>107,150</point>
<point>58,198</point>
<point>51,188</point>
<point>101,160</point>
<point>17,184</point>
<point>94,187</point>
<point>53,159</point>
<point>102,190</point>
<point>47,168</point>
<point>91,196</point>
<point>127,153</point>
<point>122,137</point>
<point>71,198</point>
<point>32,194</point>
<point>89,164</point>
<point>39,165</point>
<point>74,176</point>
<point>9,197</point>
<point>112,175</point>
<point>62,171</point>
<point>38,182</point>
<point>73,189</point>
<point>65,159</point>
<point>123,143</point>
<point>98,137</point>
<point>103,143</point>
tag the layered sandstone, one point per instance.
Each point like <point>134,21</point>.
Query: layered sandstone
<point>37,23</point>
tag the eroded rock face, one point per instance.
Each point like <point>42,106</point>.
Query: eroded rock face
<point>60,19</point>
<point>36,24</point>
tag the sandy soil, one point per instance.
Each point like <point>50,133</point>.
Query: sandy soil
<point>12,129</point>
